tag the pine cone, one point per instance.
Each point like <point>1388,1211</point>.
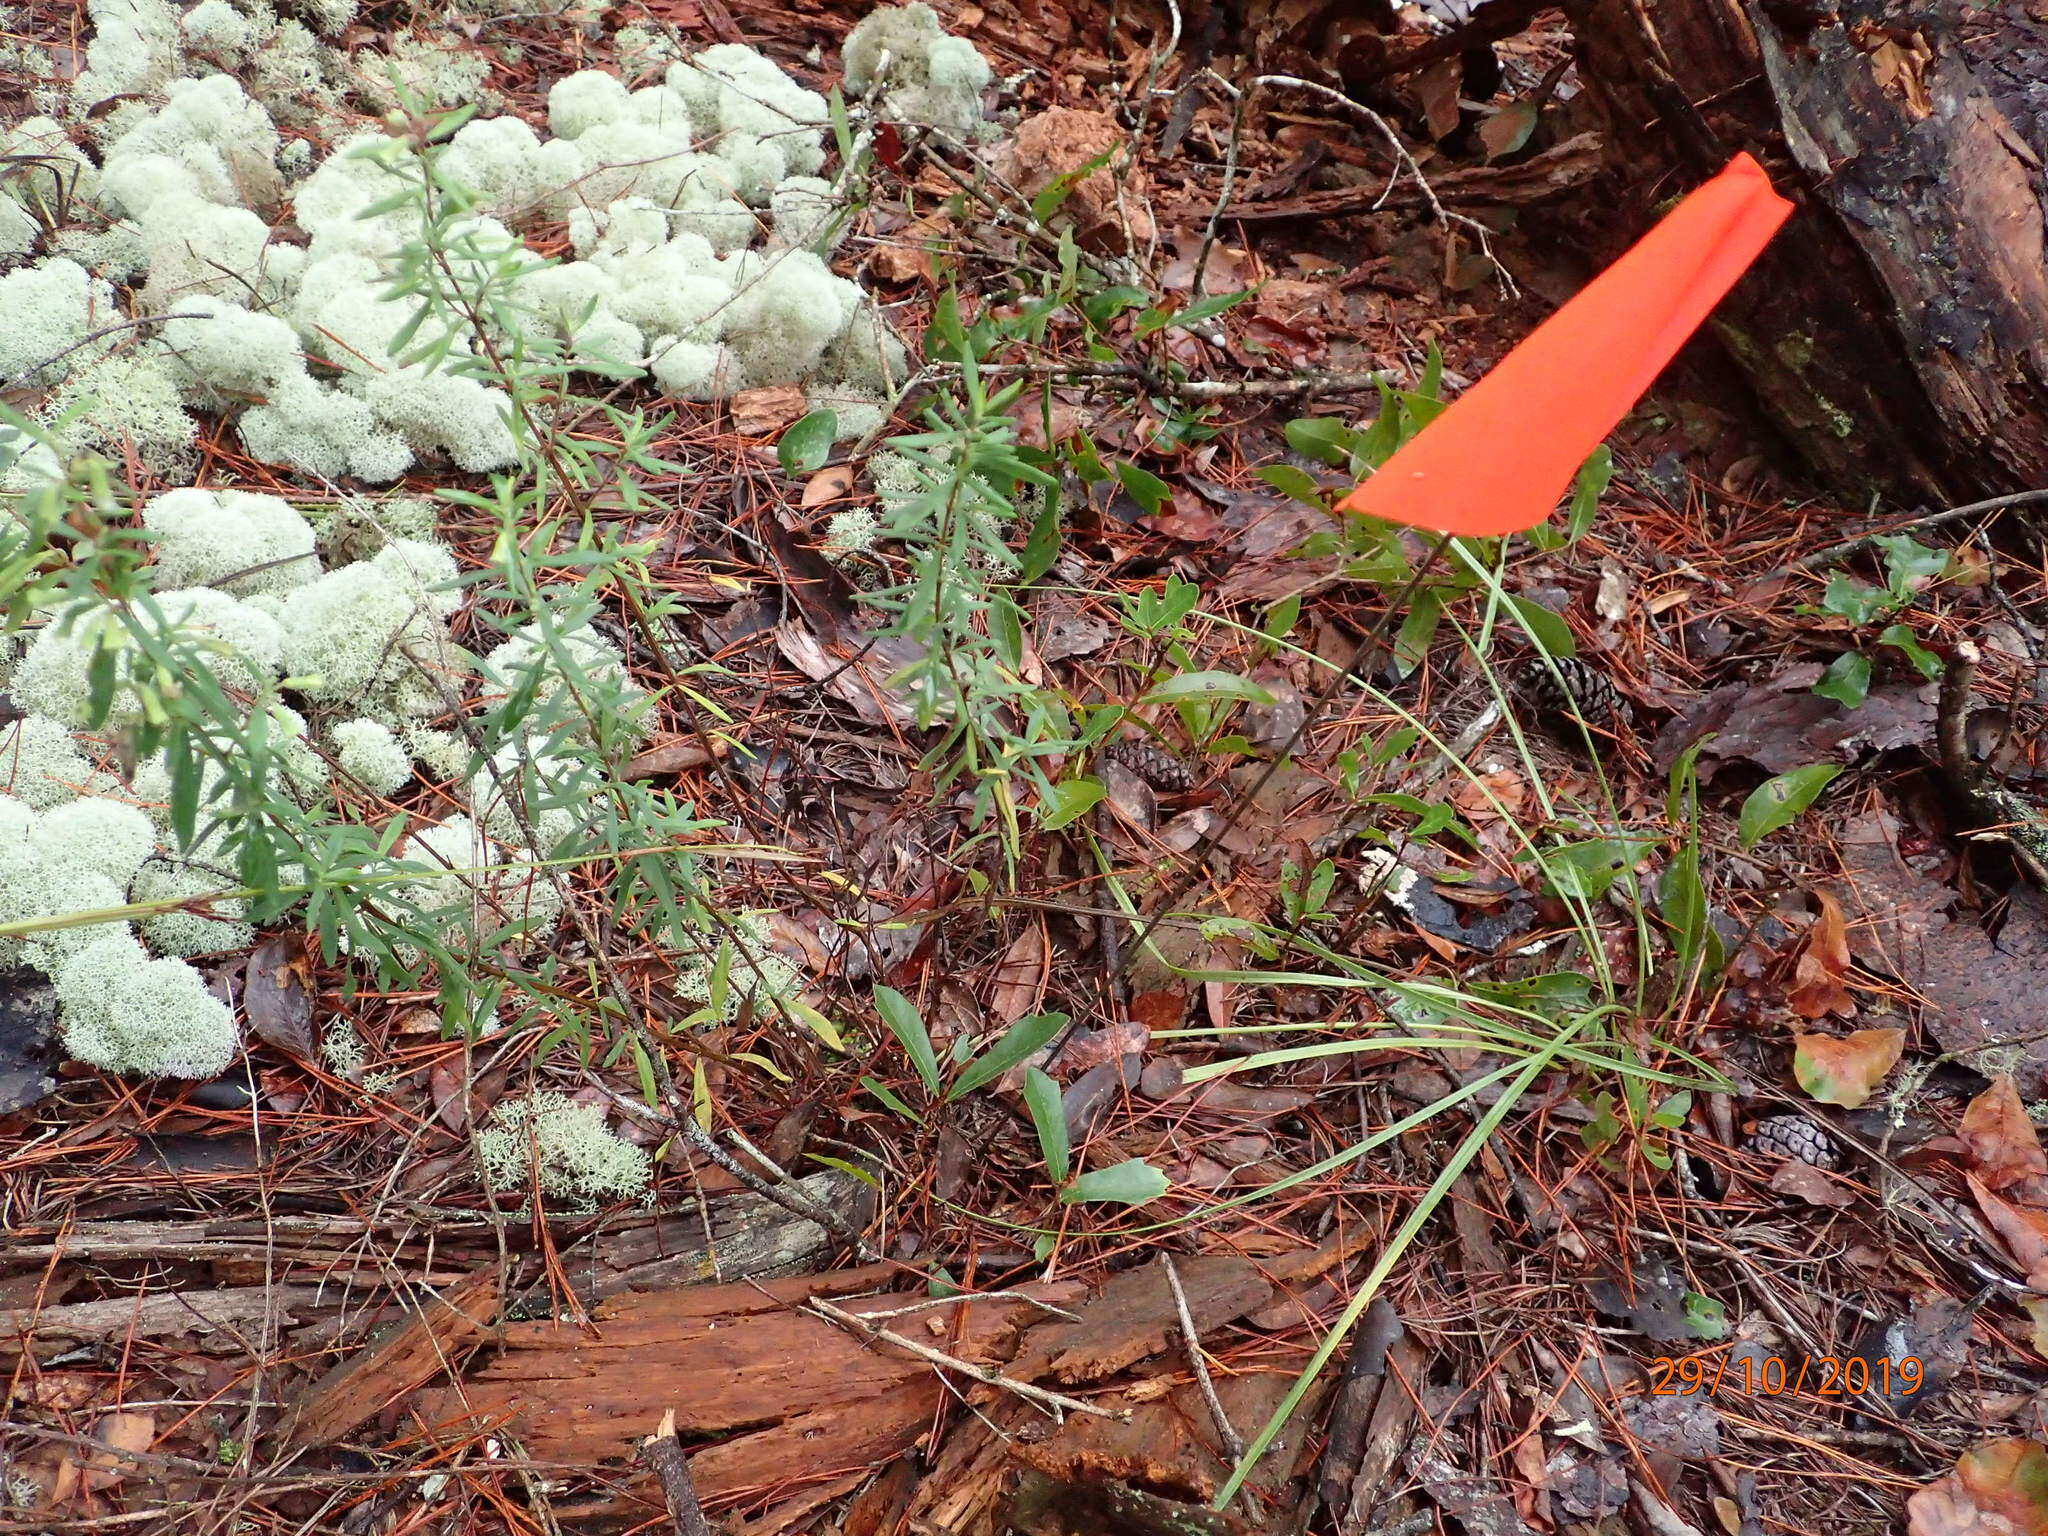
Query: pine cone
<point>1566,688</point>
<point>1796,1137</point>
<point>1156,767</point>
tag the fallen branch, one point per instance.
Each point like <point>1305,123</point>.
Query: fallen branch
<point>1055,1402</point>
<point>665,1457</point>
<point>1233,1442</point>
<point>1833,552</point>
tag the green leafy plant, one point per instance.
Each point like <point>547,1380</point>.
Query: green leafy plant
<point>1909,568</point>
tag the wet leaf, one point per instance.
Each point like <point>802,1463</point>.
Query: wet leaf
<point>28,1026</point>
<point>1778,801</point>
<point>1846,1070</point>
<point>1817,988</point>
<point>2002,1140</point>
<point>1999,1488</point>
<point>276,998</point>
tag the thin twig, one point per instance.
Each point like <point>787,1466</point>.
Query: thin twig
<point>931,1302</point>
<point>1833,552</point>
<point>1054,1402</point>
<point>1233,1442</point>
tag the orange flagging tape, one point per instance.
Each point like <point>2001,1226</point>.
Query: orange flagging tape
<point>1500,457</point>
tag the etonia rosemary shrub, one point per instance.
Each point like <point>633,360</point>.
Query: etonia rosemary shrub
<point>225,691</point>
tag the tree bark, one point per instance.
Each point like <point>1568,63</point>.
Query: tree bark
<point>1897,331</point>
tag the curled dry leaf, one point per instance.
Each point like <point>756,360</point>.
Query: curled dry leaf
<point>1802,1181</point>
<point>828,484</point>
<point>1847,1070</point>
<point>276,996</point>
<point>1817,988</point>
<point>671,756</point>
<point>2022,1230</point>
<point>120,1432</point>
<point>1999,1488</point>
<point>2002,1140</point>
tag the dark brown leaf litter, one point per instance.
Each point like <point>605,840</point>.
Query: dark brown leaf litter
<point>276,997</point>
<point>1782,724</point>
<point>1987,992</point>
<point>28,1050</point>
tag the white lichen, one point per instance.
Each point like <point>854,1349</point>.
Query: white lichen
<point>368,752</point>
<point>124,1012</point>
<point>238,541</point>
<point>564,1147</point>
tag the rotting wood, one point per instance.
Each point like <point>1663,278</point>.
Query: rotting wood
<point>119,1317</point>
<point>436,1337</point>
<point>1556,171</point>
<point>1170,1443</point>
<point>813,1400</point>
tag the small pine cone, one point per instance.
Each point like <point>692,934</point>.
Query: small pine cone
<point>1796,1137</point>
<point>1160,769</point>
<point>1574,690</point>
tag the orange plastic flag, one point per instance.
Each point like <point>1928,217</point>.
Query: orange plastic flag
<point>1500,457</point>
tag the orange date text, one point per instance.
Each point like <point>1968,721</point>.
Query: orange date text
<point>1785,1376</point>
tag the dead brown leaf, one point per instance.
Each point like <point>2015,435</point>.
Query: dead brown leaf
<point>1817,988</point>
<point>673,755</point>
<point>2002,1140</point>
<point>829,484</point>
<point>1803,1181</point>
<point>1846,1070</point>
<point>276,995</point>
<point>132,1432</point>
<point>2025,1232</point>
<point>1020,976</point>
<point>1999,1488</point>
<point>1984,988</point>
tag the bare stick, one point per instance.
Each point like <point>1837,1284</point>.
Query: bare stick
<point>663,1453</point>
<point>1233,1442</point>
<point>1054,1402</point>
<point>1834,552</point>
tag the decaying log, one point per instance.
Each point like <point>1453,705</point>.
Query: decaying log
<point>1897,330</point>
<point>816,1400</point>
<point>201,1312</point>
<point>1556,171</point>
<point>436,1337</point>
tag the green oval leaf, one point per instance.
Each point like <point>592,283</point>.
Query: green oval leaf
<point>808,443</point>
<point>1187,687</point>
<point>1145,488</point>
<point>1067,801</point>
<point>1847,679</point>
<point>1132,1182</point>
<point>1023,1038</point>
<point>1776,802</point>
<point>1545,626</point>
<point>1049,1119</point>
<point>1322,437</point>
<point>907,1025</point>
